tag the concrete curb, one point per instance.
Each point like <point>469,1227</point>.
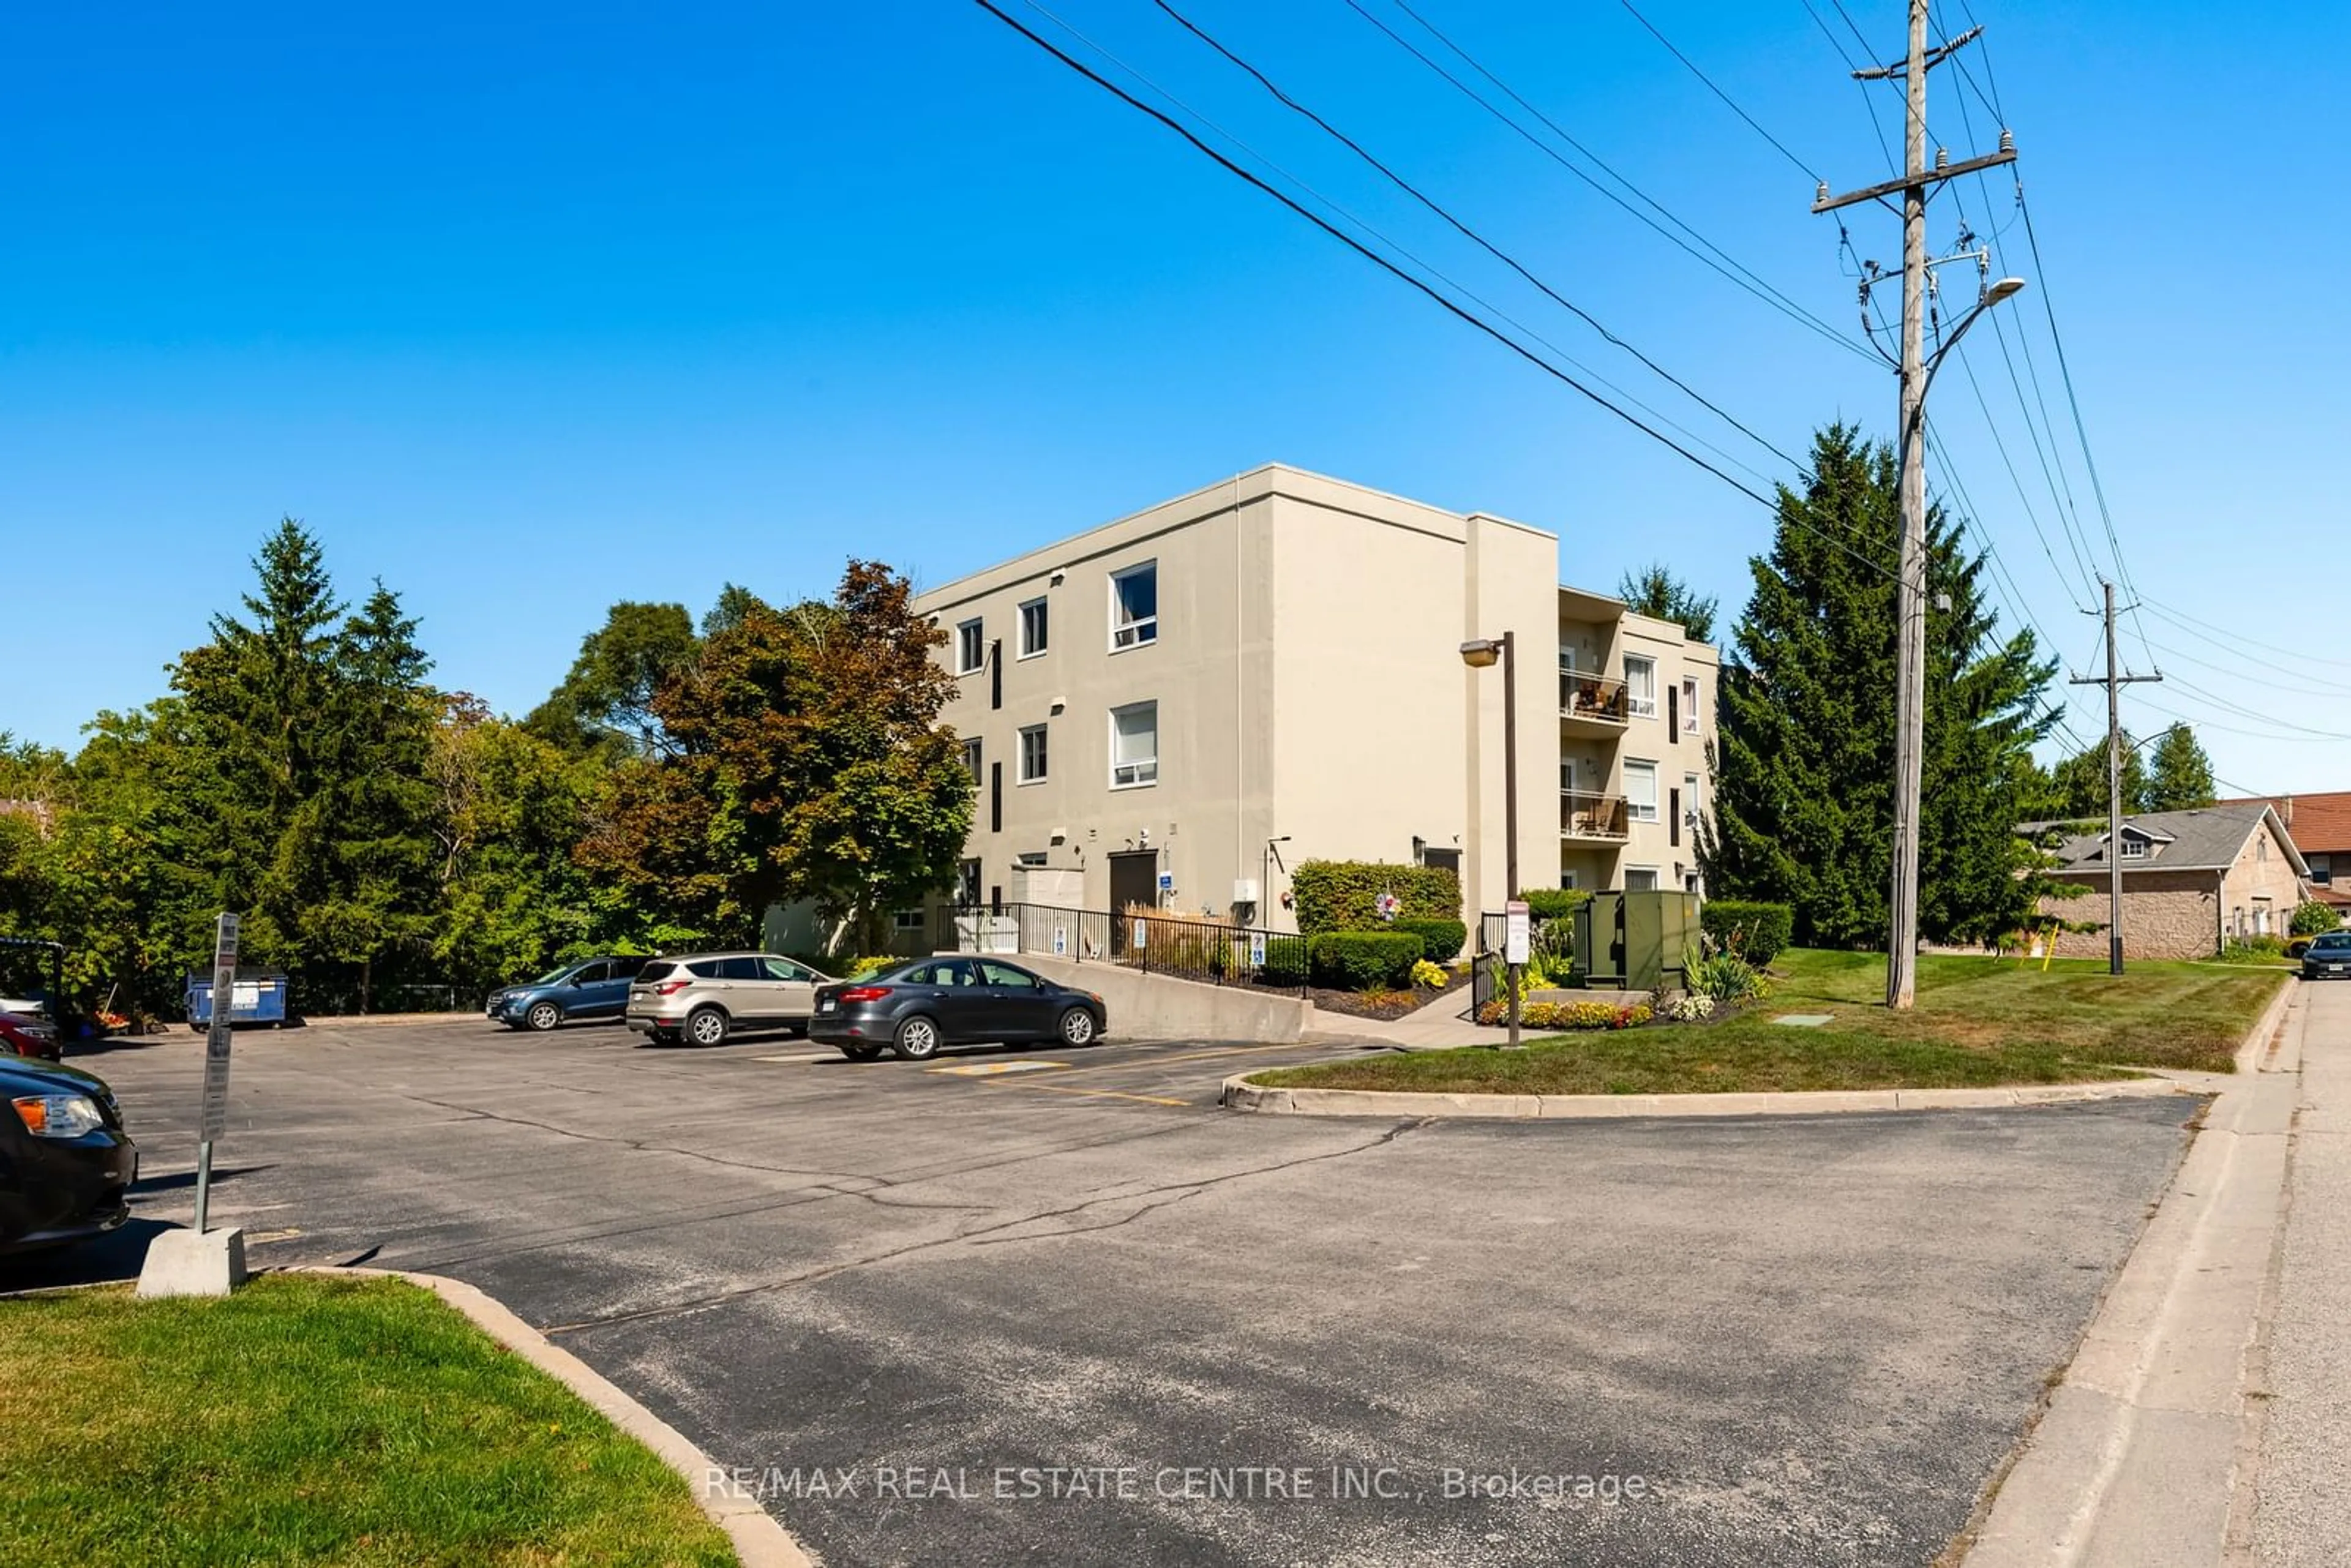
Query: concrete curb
<point>758,1540</point>
<point>2137,1455</point>
<point>1240,1094</point>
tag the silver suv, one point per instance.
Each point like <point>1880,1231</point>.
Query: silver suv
<point>706,997</point>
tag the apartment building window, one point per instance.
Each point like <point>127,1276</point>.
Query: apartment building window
<point>1133,745</point>
<point>1134,606</point>
<point>1689,802</point>
<point>1641,791</point>
<point>1033,628</point>
<point>971,647</point>
<point>1032,754</point>
<point>1567,880</point>
<point>973,758</point>
<point>1641,685</point>
<point>1640,878</point>
<point>1689,706</point>
<point>906,920</point>
<point>2322,870</point>
<point>967,883</point>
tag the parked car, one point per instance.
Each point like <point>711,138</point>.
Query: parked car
<point>917,1007</point>
<point>2329,953</point>
<point>706,997</point>
<point>22,1034</point>
<point>65,1164</point>
<point>585,988</point>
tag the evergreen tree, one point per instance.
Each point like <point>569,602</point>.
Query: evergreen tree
<point>1656,591</point>
<point>1802,810</point>
<point>2180,775</point>
<point>2077,785</point>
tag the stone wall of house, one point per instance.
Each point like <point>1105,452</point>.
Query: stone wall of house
<point>2261,883</point>
<point>2164,916</point>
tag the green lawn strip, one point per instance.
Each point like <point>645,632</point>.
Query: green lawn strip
<point>1979,1022</point>
<point>314,1420</point>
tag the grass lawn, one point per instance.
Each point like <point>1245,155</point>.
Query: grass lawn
<point>1979,1022</point>
<point>309,1419</point>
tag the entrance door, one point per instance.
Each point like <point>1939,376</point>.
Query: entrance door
<point>1134,879</point>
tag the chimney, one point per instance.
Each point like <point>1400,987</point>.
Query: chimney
<point>2285,810</point>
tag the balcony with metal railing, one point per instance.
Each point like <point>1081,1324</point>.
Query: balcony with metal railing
<point>1601,819</point>
<point>1593,703</point>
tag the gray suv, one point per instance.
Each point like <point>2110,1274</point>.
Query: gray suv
<point>706,997</point>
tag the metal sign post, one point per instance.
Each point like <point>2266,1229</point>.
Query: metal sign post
<point>214,1119</point>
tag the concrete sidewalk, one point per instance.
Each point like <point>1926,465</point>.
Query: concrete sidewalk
<point>1439,1026</point>
<point>2294,1506</point>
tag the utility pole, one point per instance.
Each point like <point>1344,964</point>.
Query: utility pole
<point>1917,370</point>
<point>2113,680</point>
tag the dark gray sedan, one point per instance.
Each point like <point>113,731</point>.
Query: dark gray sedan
<point>917,1007</point>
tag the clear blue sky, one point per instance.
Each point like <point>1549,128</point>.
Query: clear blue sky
<point>529,311</point>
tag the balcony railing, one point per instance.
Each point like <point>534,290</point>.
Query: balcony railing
<point>1586,816</point>
<point>1592,697</point>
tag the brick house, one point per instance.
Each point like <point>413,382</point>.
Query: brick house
<point>2192,881</point>
<point>2320,826</point>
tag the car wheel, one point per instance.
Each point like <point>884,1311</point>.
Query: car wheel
<point>706,1026</point>
<point>861,1052</point>
<point>1077,1026</point>
<point>918,1040</point>
<point>543,1016</point>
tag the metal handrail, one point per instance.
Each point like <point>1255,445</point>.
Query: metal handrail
<point>1158,941</point>
<point>1584,815</point>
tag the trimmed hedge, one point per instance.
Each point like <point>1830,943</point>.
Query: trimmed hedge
<point>1441,941</point>
<point>1756,932</point>
<point>1341,896</point>
<point>1363,960</point>
<point>1548,904</point>
<point>1285,962</point>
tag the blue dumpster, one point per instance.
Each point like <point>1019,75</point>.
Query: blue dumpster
<point>260,997</point>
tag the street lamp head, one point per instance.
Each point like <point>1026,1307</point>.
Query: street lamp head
<point>2002,290</point>
<point>1479,652</point>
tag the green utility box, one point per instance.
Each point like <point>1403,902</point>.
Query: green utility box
<point>1636,941</point>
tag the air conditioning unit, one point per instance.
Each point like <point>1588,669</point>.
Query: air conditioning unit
<point>1245,890</point>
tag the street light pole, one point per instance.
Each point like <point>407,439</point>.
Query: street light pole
<point>1480,653</point>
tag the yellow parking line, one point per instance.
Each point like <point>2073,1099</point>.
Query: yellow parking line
<point>1066,1089</point>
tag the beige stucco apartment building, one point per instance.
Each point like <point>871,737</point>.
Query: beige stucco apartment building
<point>1175,708</point>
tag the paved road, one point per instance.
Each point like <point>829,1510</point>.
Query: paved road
<point>2302,1489</point>
<point>1802,1341</point>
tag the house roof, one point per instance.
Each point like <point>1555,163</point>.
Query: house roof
<point>2320,822</point>
<point>2207,839</point>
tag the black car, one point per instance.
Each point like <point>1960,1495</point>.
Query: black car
<point>65,1164</point>
<point>917,1007</point>
<point>2329,954</point>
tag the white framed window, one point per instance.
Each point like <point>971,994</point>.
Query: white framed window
<point>974,758</point>
<point>1032,754</point>
<point>1133,745</point>
<point>1641,791</point>
<point>1689,802</point>
<point>1641,685</point>
<point>2322,870</point>
<point>2134,848</point>
<point>1690,882</point>
<point>1689,706</point>
<point>971,646</point>
<point>1033,628</point>
<point>1134,606</point>
<point>1640,878</point>
<point>906,920</point>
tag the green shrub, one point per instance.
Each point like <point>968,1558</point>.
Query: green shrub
<point>1441,941</point>
<point>1342,896</point>
<point>1549,903</point>
<point>1727,978</point>
<point>1285,962</point>
<point>2312,917</point>
<point>1363,960</point>
<point>2255,950</point>
<point>1756,932</point>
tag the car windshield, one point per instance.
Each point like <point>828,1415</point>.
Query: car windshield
<point>2334,940</point>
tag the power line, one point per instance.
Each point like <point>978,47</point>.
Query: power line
<point>1869,100</point>
<point>2194,626</point>
<point>1467,232</point>
<point>1727,266</point>
<point>1802,167</point>
<point>2000,445</point>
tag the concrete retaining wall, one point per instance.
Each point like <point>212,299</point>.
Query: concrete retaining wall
<point>1157,1007</point>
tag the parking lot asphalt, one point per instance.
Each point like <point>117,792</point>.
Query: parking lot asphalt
<point>1045,1306</point>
